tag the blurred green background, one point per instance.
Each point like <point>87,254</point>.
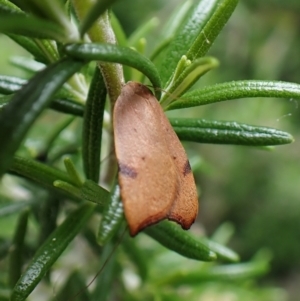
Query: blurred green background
<point>258,191</point>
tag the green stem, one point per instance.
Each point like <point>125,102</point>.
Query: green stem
<point>102,32</point>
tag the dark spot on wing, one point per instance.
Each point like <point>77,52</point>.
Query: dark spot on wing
<point>127,171</point>
<point>187,168</point>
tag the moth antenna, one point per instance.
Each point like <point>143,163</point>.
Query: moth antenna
<point>284,116</point>
<point>101,269</point>
<point>111,153</point>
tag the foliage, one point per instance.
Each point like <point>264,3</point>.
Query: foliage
<point>62,110</point>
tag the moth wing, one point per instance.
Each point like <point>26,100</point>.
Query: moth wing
<point>147,175</point>
<point>185,207</point>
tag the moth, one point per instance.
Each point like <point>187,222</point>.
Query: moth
<point>155,176</point>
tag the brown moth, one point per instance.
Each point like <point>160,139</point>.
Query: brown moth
<point>155,176</point>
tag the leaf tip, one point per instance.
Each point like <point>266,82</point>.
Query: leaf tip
<point>212,256</point>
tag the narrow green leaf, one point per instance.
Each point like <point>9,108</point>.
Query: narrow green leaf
<point>112,218</point>
<point>16,254</point>
<point>54,133</point>
<point>212,28</point>
<point>67,149</point>
<point>174,238</point>
<point>33,27</point>
<point>29,65</point>
<point>4,100</point>
<point>223,252</point>
<point>232,272</point>
<point>160,49</point>
<point>168,32</point>
<point>48,253</point>
<point>38,172</point>
<point>67,106</point>
<point>223,233</point>
<point>54,11</point>
<point>118,30</point>
<point>142,31</point>
<point>72,172</point>
<point>8,208</point>
<point>188,76</point>
<point>92,127</point>
<point>27,104</point>
<point>49,50</point>
<point>235,90</point>
<point>116,54</point>
<point>6,7</point>
<point>67,188</point>
<point>92,192</point>
<point>186,34</point>
<point>94,13</point>
<point>188,245</point>
<point>30,45</point>
<point>47,217</point>
<point>176,19</point>
<point>227,132</point>
<point>10,84</point>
